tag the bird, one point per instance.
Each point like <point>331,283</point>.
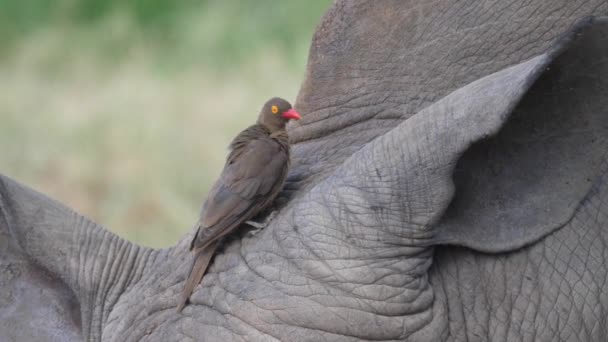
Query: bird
<point>253,175</point>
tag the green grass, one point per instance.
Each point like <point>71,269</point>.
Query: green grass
<point>216,32</point>
<point>123,109</point>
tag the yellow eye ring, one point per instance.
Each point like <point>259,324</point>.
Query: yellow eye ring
<point>274,109</point>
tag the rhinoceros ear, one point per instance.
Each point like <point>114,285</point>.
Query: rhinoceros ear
<point>57,268</point>
<point>527,180</point>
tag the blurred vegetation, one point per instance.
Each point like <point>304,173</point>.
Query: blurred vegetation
<point>123,109</point>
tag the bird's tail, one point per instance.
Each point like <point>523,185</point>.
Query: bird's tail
<point>201,261</point>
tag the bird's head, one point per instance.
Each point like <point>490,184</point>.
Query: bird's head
<point>276,113</point>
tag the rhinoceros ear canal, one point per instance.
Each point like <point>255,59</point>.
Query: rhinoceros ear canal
<point>274,109</point>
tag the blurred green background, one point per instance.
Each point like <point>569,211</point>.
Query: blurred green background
<point>123,109</point>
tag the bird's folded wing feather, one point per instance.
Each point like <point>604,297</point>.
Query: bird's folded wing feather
<point>251,172</point>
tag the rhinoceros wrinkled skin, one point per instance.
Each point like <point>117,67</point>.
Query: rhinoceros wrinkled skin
<point>449,183</point>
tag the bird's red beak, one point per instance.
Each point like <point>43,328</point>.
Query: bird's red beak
<point>291,114</point>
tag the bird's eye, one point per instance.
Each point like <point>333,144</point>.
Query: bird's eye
<point>274,109</point>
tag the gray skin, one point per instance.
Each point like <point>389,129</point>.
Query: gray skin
<point>449,183</point>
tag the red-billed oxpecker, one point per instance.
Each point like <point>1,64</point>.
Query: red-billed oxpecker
<point>252,177</point>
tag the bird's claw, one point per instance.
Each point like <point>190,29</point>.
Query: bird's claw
<point>261,225</point>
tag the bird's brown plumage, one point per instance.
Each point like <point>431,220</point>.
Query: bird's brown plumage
<point>252,177</point>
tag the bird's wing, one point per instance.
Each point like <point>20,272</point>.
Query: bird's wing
<point>252,171</point>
